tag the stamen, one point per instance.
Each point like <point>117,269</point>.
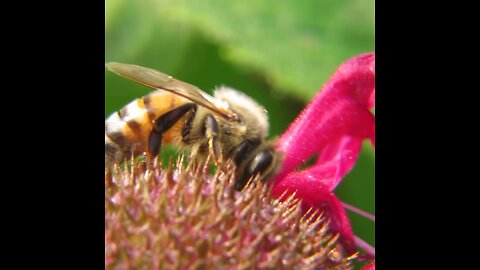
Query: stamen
<point>359,242</point>
<point>359,211</point>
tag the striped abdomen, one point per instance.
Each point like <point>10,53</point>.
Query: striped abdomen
<point>128,129</point>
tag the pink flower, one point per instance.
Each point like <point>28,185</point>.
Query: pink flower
<point>333,125</point>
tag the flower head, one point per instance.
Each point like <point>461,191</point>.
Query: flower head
<point>185,218</point>
<point>333,126</point>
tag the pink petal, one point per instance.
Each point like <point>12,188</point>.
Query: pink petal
<point>341,108</point>
<point>318,197</point>
<point>307,186</point>
<point>338,158</point>
<point>371,102</point>
<point>340,222</point>
<point>315,184</point>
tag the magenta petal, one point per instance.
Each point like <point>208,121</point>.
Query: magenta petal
<point>318,197</point>
<point>314,185</point>
<point>340,222</point>
<point>371,102</point>
<point>341,108</point>
<point>308,187</point>
<point>338,158</point>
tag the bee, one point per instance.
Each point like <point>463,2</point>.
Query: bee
<point>228,124</point>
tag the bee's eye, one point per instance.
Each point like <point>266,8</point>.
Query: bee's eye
<point>261,163</point>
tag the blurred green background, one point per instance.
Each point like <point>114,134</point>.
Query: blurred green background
<point>279,52</point>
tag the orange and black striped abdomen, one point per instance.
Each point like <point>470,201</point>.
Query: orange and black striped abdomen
<point>129,129</point>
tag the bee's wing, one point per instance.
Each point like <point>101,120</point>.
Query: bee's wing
<point>158,80</point>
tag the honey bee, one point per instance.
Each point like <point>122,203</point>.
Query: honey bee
<point>228,124</point>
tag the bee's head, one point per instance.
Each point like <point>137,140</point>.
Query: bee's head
<point>250,113</point>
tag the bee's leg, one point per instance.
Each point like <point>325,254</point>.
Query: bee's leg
<point>163,124</point>
<point>261,163</point>
<point>211,132</point>
<point>154,143</point>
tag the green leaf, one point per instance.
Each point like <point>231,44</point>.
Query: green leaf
<point>296,44</point>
